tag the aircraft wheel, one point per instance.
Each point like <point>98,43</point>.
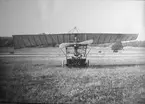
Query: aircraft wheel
<point>63,63</point>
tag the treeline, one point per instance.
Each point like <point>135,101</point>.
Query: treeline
<point>134,44</point>
<point>125,44</point>
<point>6,42</point>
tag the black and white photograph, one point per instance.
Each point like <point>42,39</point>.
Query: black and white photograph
<point>72,51</point>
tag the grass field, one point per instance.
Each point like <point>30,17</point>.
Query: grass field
<point>41,79</point>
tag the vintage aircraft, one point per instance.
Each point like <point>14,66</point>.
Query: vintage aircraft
<point>75,44</point>
<point>76,53</point>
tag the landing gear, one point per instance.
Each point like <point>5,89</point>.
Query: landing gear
<point>76,55</point>
<point>75,63</point>
<point>63,63</point>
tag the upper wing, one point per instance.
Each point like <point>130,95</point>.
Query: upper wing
<point>21,41</point>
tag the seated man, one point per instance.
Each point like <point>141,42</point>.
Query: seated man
<point>77,56</point>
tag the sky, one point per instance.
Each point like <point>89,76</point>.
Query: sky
<point>60,16</point>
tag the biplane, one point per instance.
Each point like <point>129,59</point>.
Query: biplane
<point>75,44</point>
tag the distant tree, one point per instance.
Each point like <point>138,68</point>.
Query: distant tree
<point>135,44</point>
<point>6,41</point>
<point>117,46</point>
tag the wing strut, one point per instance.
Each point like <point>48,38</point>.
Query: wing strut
<point>88,52</point>
<point>63,52</point>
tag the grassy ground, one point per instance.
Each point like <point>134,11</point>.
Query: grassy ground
<point>29,82</point>
<point>41,79</point>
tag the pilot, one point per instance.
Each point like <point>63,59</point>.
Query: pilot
<point>77,55</point>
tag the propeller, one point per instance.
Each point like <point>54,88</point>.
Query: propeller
<point>62,45</point>
<point>88,42</point>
